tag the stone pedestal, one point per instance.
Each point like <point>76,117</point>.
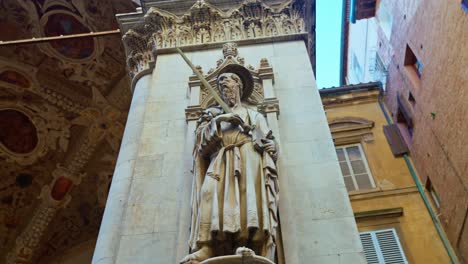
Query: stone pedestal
<point>243,256</point>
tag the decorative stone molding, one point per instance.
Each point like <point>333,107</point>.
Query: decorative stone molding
<point>77,25</point>
<point>265,72</point>
<point>54,196</point>
<point>193,113</point>
<point>269,105</point>
<point>347,130</point>
<point>354,98</point>
<point>29,74</point>
<point>102,120</point>
<point>206,24</point>
<point>140,55</point>
<point>51,129</point>
<point>28,241</point>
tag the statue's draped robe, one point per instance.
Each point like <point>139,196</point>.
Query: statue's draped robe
<point>235,192</point>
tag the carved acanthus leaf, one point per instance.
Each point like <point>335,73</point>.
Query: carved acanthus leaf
<point>204,23</point>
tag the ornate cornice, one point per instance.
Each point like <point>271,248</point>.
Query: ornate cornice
<point>348,130</point>
<point>205,24</point>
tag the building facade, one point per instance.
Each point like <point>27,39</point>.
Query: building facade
<point>415,48</point>
<point>392,218</point>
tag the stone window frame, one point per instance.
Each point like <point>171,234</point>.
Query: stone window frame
<point>352,175</point>
<point>349,130</point>
<point>413,66</point>
<point>434,198</point>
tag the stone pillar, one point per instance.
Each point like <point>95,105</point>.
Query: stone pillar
<point>110,233</point>
<point>270,104</point>
<point>317,220</point>
<point>147,218</point>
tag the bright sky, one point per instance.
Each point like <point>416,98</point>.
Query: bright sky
<point>328,37</point>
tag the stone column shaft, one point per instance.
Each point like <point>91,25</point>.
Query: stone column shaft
<point>108,241</point>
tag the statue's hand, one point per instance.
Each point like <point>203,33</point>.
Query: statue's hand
<point>269,146</point>
<point>230,118</point>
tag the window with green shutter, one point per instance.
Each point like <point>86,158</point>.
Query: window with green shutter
<point>383,247</point>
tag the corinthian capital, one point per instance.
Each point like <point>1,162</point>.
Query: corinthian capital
<point>164,25</point>
<point>140,55</point>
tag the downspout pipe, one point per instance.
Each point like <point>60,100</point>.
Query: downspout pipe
<point>435,220</point>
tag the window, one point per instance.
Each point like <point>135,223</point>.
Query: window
<point>385,18</point>
<point>357,69</point>
<point>412,63</point>
<point>433,194</point>
<point>395,140</point>
<point>380,72</point>
<point>363,9</point>
<point>382,246</point>
<point>354,167</point>
<point>404,120</point>
<point>411,99</point>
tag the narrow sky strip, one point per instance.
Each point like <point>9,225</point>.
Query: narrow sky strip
<point>328,37</point>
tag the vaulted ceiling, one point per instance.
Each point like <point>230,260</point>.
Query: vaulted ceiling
<point>63,107</point>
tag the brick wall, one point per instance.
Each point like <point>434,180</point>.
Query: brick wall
<point>436,31</point>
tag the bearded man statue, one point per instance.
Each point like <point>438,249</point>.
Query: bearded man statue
<point>235,193</point>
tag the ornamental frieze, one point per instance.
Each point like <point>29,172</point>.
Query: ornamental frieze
<point>206,24</point>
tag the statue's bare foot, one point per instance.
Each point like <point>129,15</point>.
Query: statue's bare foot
<point>198,256</point>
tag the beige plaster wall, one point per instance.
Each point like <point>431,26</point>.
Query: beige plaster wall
<point>316,216</point>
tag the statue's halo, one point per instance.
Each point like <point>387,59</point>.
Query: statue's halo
<point>244,74</point>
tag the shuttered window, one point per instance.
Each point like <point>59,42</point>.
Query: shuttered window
<point>382,247</point>
<point>354,167</point>
<point>395,140</point>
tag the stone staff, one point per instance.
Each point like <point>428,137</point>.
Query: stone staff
<point>205,83</point>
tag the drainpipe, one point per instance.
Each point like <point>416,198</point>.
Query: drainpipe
<point>435,220</point>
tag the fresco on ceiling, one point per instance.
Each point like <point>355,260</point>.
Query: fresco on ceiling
<point>65,24</point>
<point>14,78</point>
<point>17,133</point>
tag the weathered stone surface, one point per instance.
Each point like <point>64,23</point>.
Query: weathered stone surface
<point>308,173</point>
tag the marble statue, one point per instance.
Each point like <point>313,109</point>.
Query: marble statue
<point>235,192</point>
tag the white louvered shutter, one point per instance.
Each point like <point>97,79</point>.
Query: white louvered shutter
<point>382,247</point>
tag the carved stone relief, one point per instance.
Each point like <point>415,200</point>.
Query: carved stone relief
<point>348,130</point>
<point>230,57</point>
<point>237,151</point>
<point>204,23</point>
